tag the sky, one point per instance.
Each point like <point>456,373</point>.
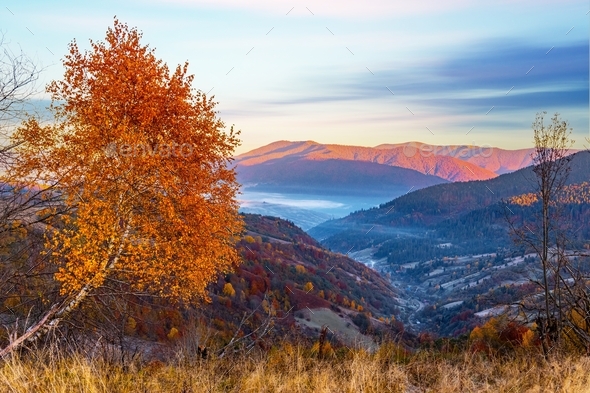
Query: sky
<point>348,72</point>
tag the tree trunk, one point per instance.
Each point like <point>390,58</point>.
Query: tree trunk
<point>59,312</point>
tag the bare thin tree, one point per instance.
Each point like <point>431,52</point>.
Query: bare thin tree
<point>562,313</point>
<point>22,209</point>
<point>18,77</point>
<point>551,167</point>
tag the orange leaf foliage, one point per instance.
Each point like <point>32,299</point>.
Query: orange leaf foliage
<point>141,159</point>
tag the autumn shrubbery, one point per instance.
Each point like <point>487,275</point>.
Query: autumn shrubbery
<point>500,336</point>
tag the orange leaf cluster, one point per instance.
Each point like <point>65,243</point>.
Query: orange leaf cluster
<point>142,160</point>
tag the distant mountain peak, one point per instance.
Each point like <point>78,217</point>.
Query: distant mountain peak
<point>451,162</point>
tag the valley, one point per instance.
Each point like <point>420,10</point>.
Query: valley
<point>448,249</point>
<point>452,295</point>
<point>304,210</point>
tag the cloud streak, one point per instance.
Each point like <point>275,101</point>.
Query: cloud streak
<point>354,9</point>
<point>485,75</point>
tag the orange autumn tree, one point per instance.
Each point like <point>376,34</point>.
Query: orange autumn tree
<point>141,161</point>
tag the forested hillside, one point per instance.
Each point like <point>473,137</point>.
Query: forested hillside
<point>288,274</point>
<point>440,206</point>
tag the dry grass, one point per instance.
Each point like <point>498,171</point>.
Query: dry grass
<point>292,369</point>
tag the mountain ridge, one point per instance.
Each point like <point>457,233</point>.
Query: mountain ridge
<point>451,162</point>
<point>334,176</point>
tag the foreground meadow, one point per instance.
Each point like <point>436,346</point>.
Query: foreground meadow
<point>294,369</point>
